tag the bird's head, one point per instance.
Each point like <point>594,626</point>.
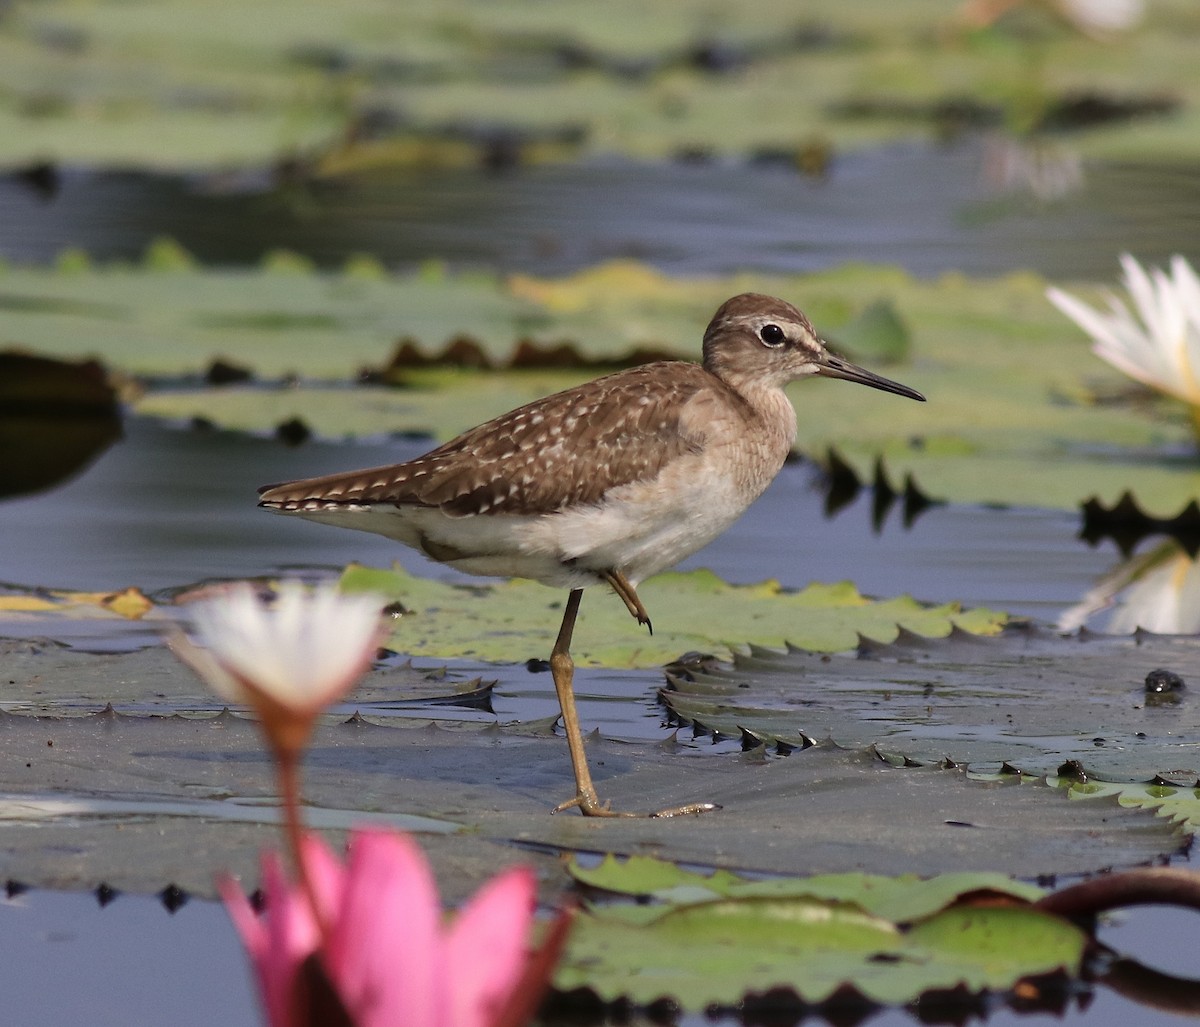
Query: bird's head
<point>756,340</point>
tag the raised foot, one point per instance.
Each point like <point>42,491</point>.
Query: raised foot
<point>591,806</point>
<point>628,595</point>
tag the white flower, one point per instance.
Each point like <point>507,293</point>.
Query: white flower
<point>1161,346</point>
<point>1101,17</point>
<point>301,652</point>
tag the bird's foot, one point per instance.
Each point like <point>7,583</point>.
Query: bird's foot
<point>628,594</point>
<point>590,806</point>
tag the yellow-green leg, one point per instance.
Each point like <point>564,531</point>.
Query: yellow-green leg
<point>562,667</point>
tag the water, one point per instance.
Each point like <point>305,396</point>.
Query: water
<point>927,208</point>
<point>69,960</point>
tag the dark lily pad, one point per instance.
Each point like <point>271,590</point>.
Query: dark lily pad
<point>1029,701</point>
<point>160,788</point>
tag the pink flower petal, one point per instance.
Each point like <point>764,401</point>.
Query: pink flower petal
<point>326,874</point>
<point>245,920</point>
<point>386,954</point>
<point>385,950</point>
<point>286,934</point>
<point>487,949</point>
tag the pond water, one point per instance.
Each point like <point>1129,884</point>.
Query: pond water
<point>927,208</point>
<point>130,961</point>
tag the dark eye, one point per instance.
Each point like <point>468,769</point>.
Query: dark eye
<point>772,335</point>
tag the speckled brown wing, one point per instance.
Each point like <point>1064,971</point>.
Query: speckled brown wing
<point>563,450</point>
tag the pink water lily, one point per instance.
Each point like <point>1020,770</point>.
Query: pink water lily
<point>387,959</point>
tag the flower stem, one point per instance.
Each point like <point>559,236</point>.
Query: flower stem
<point>287,763</point>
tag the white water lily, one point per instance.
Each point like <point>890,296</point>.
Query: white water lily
<point>1160,346</point>
<point>1102,17</point>
<point>301,652</point>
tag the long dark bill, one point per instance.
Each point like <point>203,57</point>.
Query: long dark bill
<point>835,367</point>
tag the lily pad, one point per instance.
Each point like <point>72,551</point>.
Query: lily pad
<point>514,620</point>
<point>811,936</point>
<point>179,84</point>
<point>1026,702</point>
<point>139,802</point>
<point>1018,409</point>
<point>900,899</point>
<point>109,755</point>
<point>1177,802</point>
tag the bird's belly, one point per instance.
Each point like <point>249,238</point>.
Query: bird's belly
<point>494,546</point>
<point>641,529</point>
<point>638,529</point>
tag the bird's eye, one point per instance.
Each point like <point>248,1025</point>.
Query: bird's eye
<point>772,335</point>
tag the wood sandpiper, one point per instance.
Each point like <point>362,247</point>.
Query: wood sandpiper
<point>606,483</point>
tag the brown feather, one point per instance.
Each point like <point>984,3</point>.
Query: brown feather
<point>564,450</point>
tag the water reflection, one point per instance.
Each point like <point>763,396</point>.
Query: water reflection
<point>55,419</point>
<point>1157,591</point>
<point>1046,168</point>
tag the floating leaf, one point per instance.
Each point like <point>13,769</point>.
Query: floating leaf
<point>511,621</point>
<point>279,82</point>
<point>877,334</point>
<point>700,952</point>
<point>414,743</point>
<point>1011,417</point>
<point>130,603</point>
<point>1026,701</point>
<point>899,899</point>
<point>1180,804</point>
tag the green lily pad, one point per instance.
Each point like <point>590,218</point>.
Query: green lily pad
<point>281,319</point>
<point>877,334</point>
<point>1026,702</point>
<point>180,84</point>
<point>716,950</point>
<point>511,621</point>
<point>898,899</point>
<point>1178,803</point>
<point>1014,413</point>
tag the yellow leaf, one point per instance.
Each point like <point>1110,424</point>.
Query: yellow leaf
<point>594,286</point>
<point>131,603</point>
<point>25,604</point>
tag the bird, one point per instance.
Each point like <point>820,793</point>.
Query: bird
<point>606,483</point>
